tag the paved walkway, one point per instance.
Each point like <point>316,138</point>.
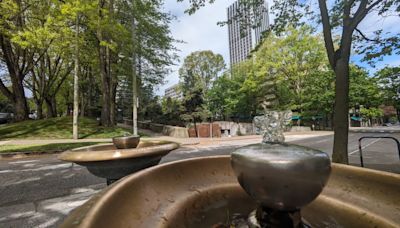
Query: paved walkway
<point>378,129</point>
<point>182,141</point>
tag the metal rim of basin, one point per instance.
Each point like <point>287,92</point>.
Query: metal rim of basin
<point>155,197</point>
<point>145,148</point>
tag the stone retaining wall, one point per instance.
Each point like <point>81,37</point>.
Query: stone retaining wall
<point>173,131</point>
<point>234,128</point>
<point>177,132</point>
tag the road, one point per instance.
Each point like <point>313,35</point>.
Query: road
<point>40,191</point>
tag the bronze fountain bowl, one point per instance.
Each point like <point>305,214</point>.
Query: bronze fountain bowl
<point>203,192</point>
<point>107,161</point>
<point>126,142</point>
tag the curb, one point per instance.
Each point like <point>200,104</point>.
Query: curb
<point>15,155</point>
<point>373,131</point>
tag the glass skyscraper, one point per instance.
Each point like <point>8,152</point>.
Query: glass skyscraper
<point>242,37</point>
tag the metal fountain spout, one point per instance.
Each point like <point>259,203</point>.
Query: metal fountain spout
<point>282,178</point>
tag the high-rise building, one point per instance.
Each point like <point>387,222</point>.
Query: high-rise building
<point>242,37</point>
<point>173,92</point>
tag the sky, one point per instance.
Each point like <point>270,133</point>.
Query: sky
<point>201,32</point>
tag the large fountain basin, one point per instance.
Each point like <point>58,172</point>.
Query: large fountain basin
<point>112,163</point>
<point>203,192</point>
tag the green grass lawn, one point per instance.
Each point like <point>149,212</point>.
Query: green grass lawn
<point>53,147</point>
<point>58,128</point>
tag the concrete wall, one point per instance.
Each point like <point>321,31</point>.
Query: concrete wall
<point>234,129</point>
<point>299,128</point>
<point>156,127</point>
<point>177,132</point>
<point>173,131</point>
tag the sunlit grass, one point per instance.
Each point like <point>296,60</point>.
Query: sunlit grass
<point>58,128</point>
<point>53,147</point>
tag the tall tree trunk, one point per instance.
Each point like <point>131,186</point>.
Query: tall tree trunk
<point>82,106</point>
<point>50,110</point>
<point>75,133</point>
<point>113,107</point>
<point>104,72</point>
<point>21,110</point>
<point>39,109</point>
<point>17,95</point>
<point>105,85</point>
<point>53,103</point>
<point>341,112</point>
<point>90,94</point>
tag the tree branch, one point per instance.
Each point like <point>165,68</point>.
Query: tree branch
<point>347,8</point>
<point>327,33</point>
<point>366,38</point>
<point>362,11</point>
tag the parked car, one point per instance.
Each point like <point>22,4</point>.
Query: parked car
<point>5,117</point>
<point>32,116</point>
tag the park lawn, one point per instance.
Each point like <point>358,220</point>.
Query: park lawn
<point>51,147</point>
<point>58,128</point>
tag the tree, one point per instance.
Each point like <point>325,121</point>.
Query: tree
<point>22,43</point>
<point>199,69</point>
<point>282,69</point>
<point>196,74</point>
<point>371,114</point>
<point>339,22</point>
<point>344,16</point>
<point>195,109</point>
<point>389,83</point>
<point>288,61</point>
<point>172,109</point>
<point>363,89</point>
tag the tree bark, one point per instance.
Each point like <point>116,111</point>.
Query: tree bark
<point>105,86</point>
<point>49,109</point>
<point>113,106</point>
<point>341,112</point>
<point>17,74</point>
<point>75,133</point>
<point>21,110</point>
<point>39,109</point>
<point>82,106</point>
<point>104,57</point>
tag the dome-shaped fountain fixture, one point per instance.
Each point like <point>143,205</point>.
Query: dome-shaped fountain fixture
<point>126,142</point>
<point>110,162</point>
<point>282,179</point>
